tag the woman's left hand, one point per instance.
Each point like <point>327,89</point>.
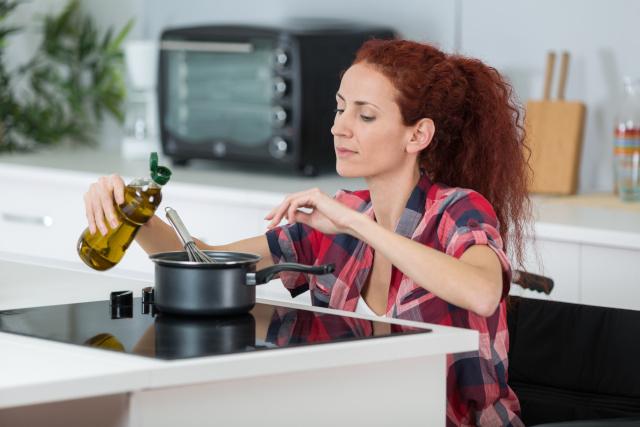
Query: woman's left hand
<point>327,215</point>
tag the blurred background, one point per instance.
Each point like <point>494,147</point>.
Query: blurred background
<point>512,36</point>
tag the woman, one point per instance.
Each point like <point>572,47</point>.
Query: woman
<point>438,141</point>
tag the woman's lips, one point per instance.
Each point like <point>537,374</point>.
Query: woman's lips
<point>343,152</point>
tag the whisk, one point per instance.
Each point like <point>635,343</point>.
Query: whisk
<point>193,252</point>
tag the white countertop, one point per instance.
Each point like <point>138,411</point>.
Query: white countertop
<point>37,371</point>
<point>598,219</point>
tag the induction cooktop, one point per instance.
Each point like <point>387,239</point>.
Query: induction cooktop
<point>137,329</point>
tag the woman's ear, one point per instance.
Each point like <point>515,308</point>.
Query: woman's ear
<point>422,135</point>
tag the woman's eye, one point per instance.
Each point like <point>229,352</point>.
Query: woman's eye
<point>339,110</point>
<point>367,118</point>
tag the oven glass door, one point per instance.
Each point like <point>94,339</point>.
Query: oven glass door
<point>220,93</point>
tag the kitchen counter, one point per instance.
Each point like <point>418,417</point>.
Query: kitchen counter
<point>599,219</point>
<point>39,378</point>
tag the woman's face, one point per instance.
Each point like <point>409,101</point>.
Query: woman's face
<point>368,133</point>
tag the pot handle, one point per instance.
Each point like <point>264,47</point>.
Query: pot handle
<point>266,274</point>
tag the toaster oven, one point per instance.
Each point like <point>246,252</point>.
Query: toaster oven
<point>252,95</point>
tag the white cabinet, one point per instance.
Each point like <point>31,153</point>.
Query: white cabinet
<point>40,214</point>
<point>607,276</point>
<point>610,277</point>
<point>557,260</point>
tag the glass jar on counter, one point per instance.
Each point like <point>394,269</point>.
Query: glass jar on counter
<point>626,146</point>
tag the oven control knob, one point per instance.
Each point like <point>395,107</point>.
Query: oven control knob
<point>279,87</point>
<point>278,147</point>
<point>279,116</point>
<point>281,57</point>
<point>219,149</point>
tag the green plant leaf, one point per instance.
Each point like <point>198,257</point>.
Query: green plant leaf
<point>66,88</point>
<point>114,46</point>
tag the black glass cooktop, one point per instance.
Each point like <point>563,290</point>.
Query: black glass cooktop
<point>138,330</point>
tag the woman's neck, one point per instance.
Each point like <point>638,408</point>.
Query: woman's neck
<point>390,193</point>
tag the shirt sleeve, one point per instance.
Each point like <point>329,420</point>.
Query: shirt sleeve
<point>469,219</point>
<point>294,242</point>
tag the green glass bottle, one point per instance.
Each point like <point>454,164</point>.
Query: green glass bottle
<point>142,196</point>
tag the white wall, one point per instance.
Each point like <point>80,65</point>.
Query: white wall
<point>512,35</point>
<point>420,19</point>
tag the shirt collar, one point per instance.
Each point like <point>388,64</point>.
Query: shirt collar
<point>413,210</point>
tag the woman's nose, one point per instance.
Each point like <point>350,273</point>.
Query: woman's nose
<point>341,126</point>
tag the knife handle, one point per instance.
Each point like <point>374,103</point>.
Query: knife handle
<point>564,67</point>
<point>535,282</point>
<point>548,77</point>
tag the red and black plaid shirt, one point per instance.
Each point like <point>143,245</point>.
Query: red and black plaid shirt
<point>444,218</point>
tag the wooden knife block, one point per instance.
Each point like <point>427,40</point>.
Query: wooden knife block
<point>554,134</point>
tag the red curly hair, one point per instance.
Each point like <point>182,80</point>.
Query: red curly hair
<point>479,139</point>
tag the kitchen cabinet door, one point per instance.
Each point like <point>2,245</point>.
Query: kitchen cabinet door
<point>557,260</point>
<point>40,214</point>
<point>611,277</point>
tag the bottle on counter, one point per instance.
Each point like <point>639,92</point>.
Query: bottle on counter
<point>142,196</point>
<point>626,147</point>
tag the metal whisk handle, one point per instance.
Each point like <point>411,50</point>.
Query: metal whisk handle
<point>184,235</point>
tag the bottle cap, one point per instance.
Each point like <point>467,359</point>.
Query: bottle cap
<point>159,174</point>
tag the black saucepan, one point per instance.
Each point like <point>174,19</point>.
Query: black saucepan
<point>221,288</point>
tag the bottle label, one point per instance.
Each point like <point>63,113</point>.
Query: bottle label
<point>626,140</point>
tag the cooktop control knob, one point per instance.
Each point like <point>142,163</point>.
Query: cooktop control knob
<point>122,298</point>
<point>121,304</point>
<point>147,301</point>
<point>147,295</point>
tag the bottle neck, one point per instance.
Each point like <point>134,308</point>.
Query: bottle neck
<point>144,182</point>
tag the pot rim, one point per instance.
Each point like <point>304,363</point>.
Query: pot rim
<point>223,258</point>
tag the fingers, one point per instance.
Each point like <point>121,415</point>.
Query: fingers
<point>106,201</point>
<point>303,218</point>
<point>99,203</point>
<point>277,213</point>
<point>118,188</point>
<point>289,207</point>
<point>98,215</point>
<point>299,202</point>
<point>88,211</point>
<point>271,213</point>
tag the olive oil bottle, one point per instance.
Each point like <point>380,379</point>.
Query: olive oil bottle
<point>141,199</point>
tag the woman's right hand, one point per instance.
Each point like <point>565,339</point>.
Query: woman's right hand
<point>99,202</point>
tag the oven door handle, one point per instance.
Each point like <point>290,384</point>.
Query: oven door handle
<point>215,47</point>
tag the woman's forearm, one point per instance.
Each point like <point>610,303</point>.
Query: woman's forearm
<point>157,236</point>
<point>451,279</point>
